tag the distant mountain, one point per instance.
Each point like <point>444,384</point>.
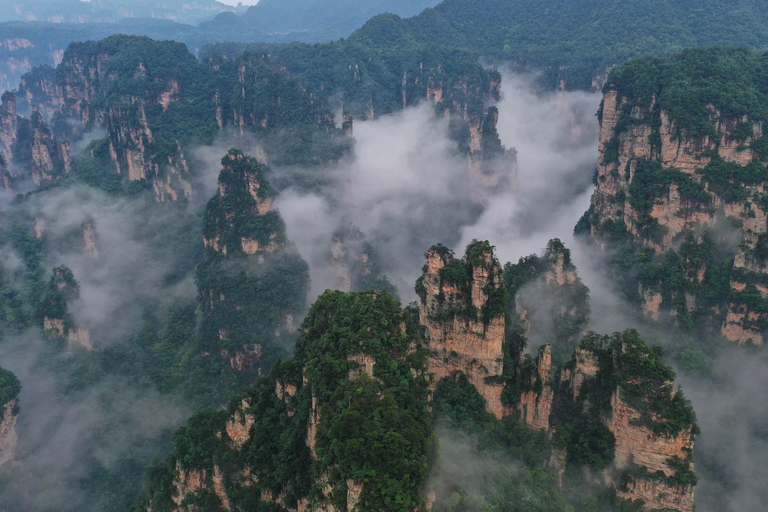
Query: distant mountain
<point>308,21</point>
<point>110,11</point>
<point>574,43</point>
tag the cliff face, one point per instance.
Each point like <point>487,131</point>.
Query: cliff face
<point>58,309</point>
<point>491,167</point>
<point>9,411</point>
<point>246,252</point>
<point>651,425</point>
<point>551,303</point>
<point>691,185</point>
<point>38,88</point>
<point>285,432</point>
<point>462,309</point>
<point>8,436</point>
<point>535,404</point>
<point>350,258</point>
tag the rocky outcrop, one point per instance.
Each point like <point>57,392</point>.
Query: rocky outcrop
<point>9,126</point>
<point>535,404</point>
<point>660,181</point>
<point>8,438</point>
<point>551,303</point>
<point>38,88</point>
<point>651,452</point>
<point>462,310</point>
<point>59,307</point>
<point>652,426</point>
<point>245,251</point>
<point>350,258</point>
<point>276,429</point>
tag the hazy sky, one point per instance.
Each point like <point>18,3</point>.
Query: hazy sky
<point>235,2</point>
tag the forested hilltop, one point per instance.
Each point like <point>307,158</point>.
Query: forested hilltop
<point>571,43</point>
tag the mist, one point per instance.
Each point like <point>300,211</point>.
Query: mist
<point>78,414</point>
<point>407,188</point>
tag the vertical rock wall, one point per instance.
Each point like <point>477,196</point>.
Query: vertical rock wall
<point>460,337</point>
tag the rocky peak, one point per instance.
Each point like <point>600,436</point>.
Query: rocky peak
<point>560,270</point>
<point>551,303</point>
<point>651,425</point>
<point>463,310</point>
<point>38,88</point>
<point>350,259</point>
<point>246,252</point>
<point>9,125</point>
<point>678,184</point>
<point>285,431</point>
<point>242,217</point>
<point>59,306</point>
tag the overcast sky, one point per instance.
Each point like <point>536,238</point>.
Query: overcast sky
<point>235,2</point>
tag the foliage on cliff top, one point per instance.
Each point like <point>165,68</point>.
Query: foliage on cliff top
<point>690,83</point>
<point>645,381</point>
<point>375,431</point>
<point>10,387</point>
<point>232,214</point>
<point>459,273</point>
<point>558,313</point>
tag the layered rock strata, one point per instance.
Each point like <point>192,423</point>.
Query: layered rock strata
<point>659,183</point>
<point>465,327</point>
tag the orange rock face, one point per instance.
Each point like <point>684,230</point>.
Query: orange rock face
<point>535,407</point>
<point>672,211</point>
<point>641,446</point>
<point>459,344</point>
<point>636,445</point>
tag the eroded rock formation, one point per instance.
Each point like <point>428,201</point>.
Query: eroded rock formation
<point>665,186</point>
<point>462,309</point>
<point>59,307</point>
<point>651,425</point>
<point>278,428</point>
<point>245,251</point>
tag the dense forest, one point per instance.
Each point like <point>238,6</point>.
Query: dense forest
<point>169,224</point>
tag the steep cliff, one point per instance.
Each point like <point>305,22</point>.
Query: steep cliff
<point>38,88</point>
<point>251,283</point>
<point>550,303</point>
<point>58,308</point>
<point>9,411</point>
<point>463,311</point>
<point>353,262</point>
<point>347,424</point>
<point>620,410</point>
<point>681,189</point>
<point>325,430</point>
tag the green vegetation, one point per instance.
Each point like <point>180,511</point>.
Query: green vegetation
<point>563,306</point>
<point>10,387</point>
<point>687,85</point>
<point>247,298</point>
<point>459,273</point>
<point>372,429</point>
<point>513,462</point>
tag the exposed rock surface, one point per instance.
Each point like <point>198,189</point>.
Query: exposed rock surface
<point>59,307</point>
<point>463,331</point>
<point>245,249</point>
<point>8,436</point>
<point>535,405</point>
<point>276,429</point>
<point>653,446</point>
<point>663,186</point>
